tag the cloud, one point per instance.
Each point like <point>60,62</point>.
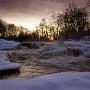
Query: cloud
<point>19,10</point>
<point>27,4</point>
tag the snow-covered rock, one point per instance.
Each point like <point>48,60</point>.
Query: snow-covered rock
<point>86,47</point>
<point>86,42</point>
<point>4,44</point>
<point>6,65</point>
<point>86,50</point>
<point>73,43</point>
<point>82,46</point>
<point>86,54</point>
<point>3,55</point>
<point>53,50</point>
<point>58,81</point>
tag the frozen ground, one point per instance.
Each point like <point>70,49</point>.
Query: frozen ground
<point>58,81</point>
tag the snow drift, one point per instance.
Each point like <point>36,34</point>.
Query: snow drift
<point>86,50</point>
<point>4,44</point>
<point>3,55</point>
<point>6,65</point>
<point>82,46</point>
<point>58,81</point>
<point>53,50</point>
<point>74,43</point>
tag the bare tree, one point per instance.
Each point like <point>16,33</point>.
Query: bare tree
<point>75,22</point>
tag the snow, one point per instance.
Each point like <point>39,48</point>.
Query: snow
<point>86,42</point>
<point>53,50</point>
<point>6,65</point>
<point>74,43</point>
<point>3,55</point>
<point>86,50</point>
<point>87,54</point>
<point>4,44</point>
<point>86,47</point>
<point>57,81</point>
<point>83,46</point>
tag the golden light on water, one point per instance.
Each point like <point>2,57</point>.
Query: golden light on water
<point>51,38</point>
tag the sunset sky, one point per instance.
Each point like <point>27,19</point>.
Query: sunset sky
<point>28,13</point>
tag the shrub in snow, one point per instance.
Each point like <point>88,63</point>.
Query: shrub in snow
<point>53,50</point>
<point>74,50</point>
<point>58,81</point>
<point>4,44</point>
<point>6,65</point>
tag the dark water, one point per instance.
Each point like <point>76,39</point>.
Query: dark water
<point>26,72</point>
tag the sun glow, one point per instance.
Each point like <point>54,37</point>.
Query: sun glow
<point>29,23</point>
<point>51,38</point>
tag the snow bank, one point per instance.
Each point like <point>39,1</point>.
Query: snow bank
<point>86,47</point>
<point>82,46</point>
<point>86,42</point>
<point>6,65</point>
<point>73,43</point>
<point>53,50</point>
<point>58,81</point>
<point>4,44</point>
<point>86,54</point>
<point>86,50</point>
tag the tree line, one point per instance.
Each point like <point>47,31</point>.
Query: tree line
<point>72,24</point>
